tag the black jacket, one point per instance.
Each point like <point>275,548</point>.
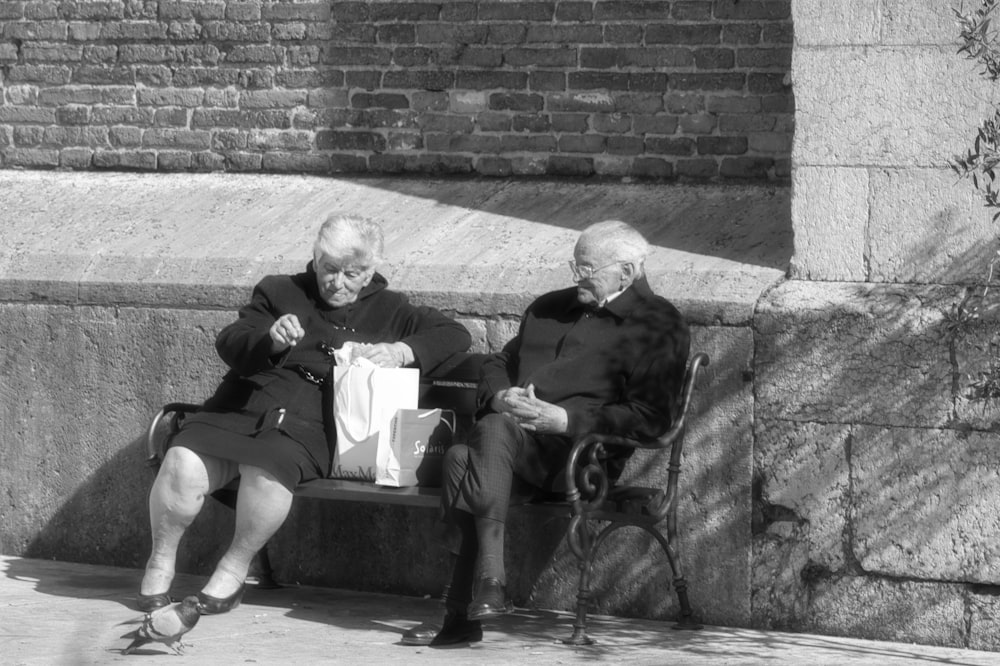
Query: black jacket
<point>259,385</point>
<point>617,369</point>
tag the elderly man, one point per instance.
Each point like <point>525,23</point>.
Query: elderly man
<point>606,356</point>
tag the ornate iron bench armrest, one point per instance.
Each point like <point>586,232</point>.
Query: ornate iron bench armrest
<point>587,481</point>
<point>156,440</point>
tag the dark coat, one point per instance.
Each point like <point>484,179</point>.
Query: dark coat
<point>259,384</point>
<point>616,369</point>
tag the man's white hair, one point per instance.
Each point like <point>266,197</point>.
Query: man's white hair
<point>619,239</point>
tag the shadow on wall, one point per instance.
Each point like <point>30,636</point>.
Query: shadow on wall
<point>632,576</point>
<point>106,521</point>
<point>876,477</point>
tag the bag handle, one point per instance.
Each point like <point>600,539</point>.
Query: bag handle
<point>453,424</point>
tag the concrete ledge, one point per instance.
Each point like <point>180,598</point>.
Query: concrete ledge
<point>478,245</point>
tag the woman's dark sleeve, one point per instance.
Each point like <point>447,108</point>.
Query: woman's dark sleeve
<point>432,336</point>
<point>245,345</point>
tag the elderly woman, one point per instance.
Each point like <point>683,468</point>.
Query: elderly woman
<point>265,423</point>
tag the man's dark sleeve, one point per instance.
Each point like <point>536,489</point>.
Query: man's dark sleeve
<point>497,373</point>
<point>651,387</point>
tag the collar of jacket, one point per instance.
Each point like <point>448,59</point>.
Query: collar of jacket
<point>377,284</point>
<point>626,302</point>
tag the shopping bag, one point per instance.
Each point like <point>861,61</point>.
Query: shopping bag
<point>365,398</point>
<point>411,451</point>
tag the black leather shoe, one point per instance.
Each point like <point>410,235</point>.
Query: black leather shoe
<point>422,634</point>
<point>150,602</point>
<point>489,600</point>
<point>209,605</point>
<point>455,629</point>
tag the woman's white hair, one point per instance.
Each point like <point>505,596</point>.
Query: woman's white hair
<point>620,240</point>
<point>351,235</point>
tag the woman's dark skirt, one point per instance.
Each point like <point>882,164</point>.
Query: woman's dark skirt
<point>288,460</point>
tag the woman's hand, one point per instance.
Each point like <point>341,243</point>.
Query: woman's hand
<point>388,354</point>
<point>285,332</point>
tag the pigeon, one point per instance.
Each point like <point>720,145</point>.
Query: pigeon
<point>165,625</point>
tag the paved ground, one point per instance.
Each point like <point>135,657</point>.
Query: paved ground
<point>62,613</point>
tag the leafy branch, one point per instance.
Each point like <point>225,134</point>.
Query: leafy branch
<point>979,42</point>
<point>978,39</point>
<point>980,163</point>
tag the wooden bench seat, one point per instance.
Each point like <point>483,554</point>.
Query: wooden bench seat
<point>593,505</point>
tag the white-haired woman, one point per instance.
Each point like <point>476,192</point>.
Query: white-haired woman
<point>265,424</point>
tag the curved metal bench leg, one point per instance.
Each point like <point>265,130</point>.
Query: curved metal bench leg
<point>686,619</point>
<point>582,545</point>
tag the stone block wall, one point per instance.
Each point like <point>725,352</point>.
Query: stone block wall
<point>883,102</point>
<point>876,476</point>
<point>665,89</point>
<point>876,479</point>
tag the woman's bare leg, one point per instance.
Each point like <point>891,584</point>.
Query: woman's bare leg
<point>178,494</point>
<point>261,508</point>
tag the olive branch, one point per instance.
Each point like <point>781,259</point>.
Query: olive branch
<point>978,42</point>
<point>980,163</point>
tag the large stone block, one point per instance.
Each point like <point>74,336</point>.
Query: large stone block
<point>830,219</point>
<point>819,23</point>
<point>973,330</point>
<point>925,504</point>
<point>867,22</point>
<point>77,388</point>
<point>984,619</point>
<point>779,597</point>
<point>801,488</point>
<point>927,227</point>
<point>886,106</point>
<point>802,477</point>
<point>855,353</point>
<point>926,22</point>
<point>888,610</point>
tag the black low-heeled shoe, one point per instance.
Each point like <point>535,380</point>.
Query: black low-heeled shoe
<point>148,603</point>
<point>209,605</point>
<point>454,630</point>
<point>490,600</point>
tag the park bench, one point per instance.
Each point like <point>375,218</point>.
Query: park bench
<point>594,506</point>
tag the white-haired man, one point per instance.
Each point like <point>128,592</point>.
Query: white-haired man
<point>607,355</point>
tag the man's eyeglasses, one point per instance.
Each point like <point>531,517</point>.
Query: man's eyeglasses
<point>586,272</point>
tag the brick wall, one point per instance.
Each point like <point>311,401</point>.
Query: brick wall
<point>651,89</point>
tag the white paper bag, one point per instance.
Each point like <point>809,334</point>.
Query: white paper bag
<point>365,398</point>
<point>403,447</point>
